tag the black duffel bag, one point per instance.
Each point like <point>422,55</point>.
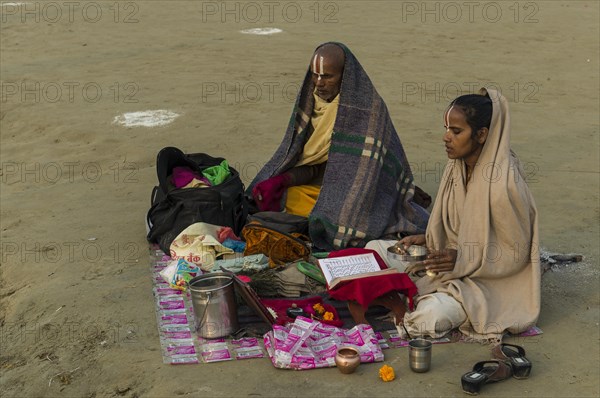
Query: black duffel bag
<point>174,209</point>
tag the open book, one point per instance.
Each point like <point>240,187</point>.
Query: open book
<point>341,269</point>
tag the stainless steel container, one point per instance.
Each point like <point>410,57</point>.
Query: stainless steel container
<point>215,309</point>
<point>400,259</point>
<point>419,355</point>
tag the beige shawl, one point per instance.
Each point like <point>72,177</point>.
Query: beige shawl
<point>323,117</point>
<point>494,227</point>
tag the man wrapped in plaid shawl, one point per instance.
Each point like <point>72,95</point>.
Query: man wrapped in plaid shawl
<point>366,185</point>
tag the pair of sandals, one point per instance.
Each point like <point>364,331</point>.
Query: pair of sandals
<point>509,360</point>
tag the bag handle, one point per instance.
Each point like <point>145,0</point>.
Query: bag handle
<point>166,160</point>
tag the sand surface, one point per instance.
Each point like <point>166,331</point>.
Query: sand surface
<point>77,313</point>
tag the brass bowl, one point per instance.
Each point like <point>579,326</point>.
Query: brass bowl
<point>347,359</point>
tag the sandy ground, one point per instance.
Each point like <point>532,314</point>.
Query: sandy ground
<point>77,314</point>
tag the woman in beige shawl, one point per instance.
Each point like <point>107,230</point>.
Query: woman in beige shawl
<point>483,271</point>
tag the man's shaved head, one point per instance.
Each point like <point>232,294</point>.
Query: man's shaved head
<point>327,67</point>
<point>333,53</point>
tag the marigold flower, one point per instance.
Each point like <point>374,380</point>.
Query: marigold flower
<point>328,316</point>
<point>319,309</point>
<point>386,373</point>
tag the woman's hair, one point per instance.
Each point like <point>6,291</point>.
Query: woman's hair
<point>477,109</point>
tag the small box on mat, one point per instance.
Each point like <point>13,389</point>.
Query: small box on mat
<point>179,272</point>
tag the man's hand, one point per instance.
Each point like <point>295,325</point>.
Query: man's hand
<point>267,194</point>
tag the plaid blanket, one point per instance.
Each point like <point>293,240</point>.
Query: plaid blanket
<point>368,186</point>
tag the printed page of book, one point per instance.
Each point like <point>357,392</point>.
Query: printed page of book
<point>339,267</point>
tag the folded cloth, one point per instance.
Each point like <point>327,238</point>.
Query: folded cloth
<point>287,282</point>
<point>196,183</point>
<point>198,244</point>
<point>182,176</point>
<point>253,263</point>
<point>234,245</point>
<point>226,233</point>
<point>217,174</point>
<point>367,289</point>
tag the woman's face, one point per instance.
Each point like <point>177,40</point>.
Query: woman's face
<point>458,137</point>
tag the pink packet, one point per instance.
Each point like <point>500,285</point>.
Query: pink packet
<point>171,303</point>
<point>180,349</point>
<point>156,269</point>
<point>300,331</point>
<point>532,331</point>
<point>181,359</point>
<point>353,336</point>
<point>177,334</point>
<point>202,340</point>
<point>367,357</point>
<point>215,352</point>
<point>290,342</point>
<point>162,285</point>
<point>167,291</point>
<point>173,318</point>
<point>267,340</point>
<point>303,362</point>
<point>322,330</point>
<point>246,342</point>
<point>248,353</point>
<point>279,333</point>
<point>326,351</point>
<point>395,337</point>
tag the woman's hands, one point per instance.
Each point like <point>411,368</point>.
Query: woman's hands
<point>437,260</point>
<point>410,240</point>
<point>440,260</point>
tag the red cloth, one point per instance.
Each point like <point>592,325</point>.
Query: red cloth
<point>184,175</point>
<point>226,233</point>
<point>367,289</point>
<point>267,194</point>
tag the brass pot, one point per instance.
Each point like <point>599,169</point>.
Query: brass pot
<point>347,359</point>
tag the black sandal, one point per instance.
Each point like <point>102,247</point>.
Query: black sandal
<point>513,355</point>
<point>485,372</point>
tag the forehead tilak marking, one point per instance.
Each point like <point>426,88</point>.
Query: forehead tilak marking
<point>447,117</point>
<point>318,67</point>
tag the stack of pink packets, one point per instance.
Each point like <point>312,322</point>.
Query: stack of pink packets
<point>310,344</point>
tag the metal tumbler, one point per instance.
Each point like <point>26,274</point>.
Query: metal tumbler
<point>419,355</point>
